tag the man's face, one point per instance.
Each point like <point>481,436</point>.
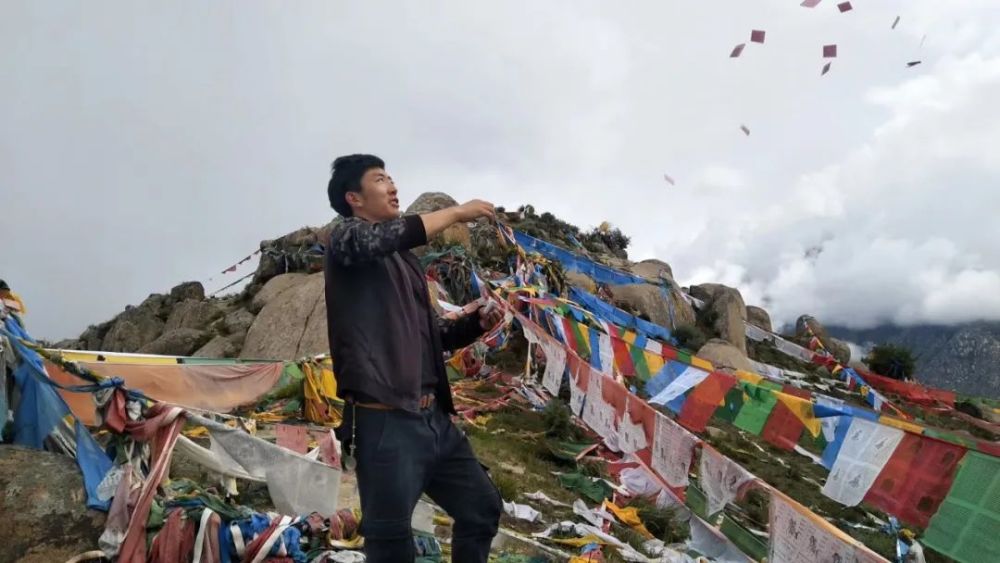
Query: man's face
<point>378,200</point>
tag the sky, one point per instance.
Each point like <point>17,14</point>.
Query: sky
<point>143,144</point>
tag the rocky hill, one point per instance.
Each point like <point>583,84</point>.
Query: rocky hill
<point>965,357</point>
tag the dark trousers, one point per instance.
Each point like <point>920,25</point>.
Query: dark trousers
<point>402,455</point>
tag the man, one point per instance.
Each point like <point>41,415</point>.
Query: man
<point>11,301</point>
<point>387,343</point>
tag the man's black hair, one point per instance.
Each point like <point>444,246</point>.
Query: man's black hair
<point>346,177</point>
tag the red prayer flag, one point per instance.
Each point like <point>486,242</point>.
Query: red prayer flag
<point>701,403</point>
<point>757,36</point>
<point>916,479</point>
<point>295,438</point>
<point>782,429</point>
<point>845,7</point>
<point>829,51</point>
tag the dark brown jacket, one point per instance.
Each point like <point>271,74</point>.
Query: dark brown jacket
<point>371,317</point>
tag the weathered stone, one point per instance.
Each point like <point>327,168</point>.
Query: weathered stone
<point>840,350</point>
<point>652,269</point>
<point>44,508</point>
<point>93,337</point>
<point>457,234</point>
<point>648,301</point>
<point>132,330</point>
<point>177,342</point>
<point>724,356</point>
<point>193,314</point>
<point>315,337</point>
<point>430,201</point>
<point>187,290</point>
<point>219,347</point>
<point>279,328</point>
<point>274,288</point>
<point>728,311</point>
<point>758,317</point>
<point>582,281</point>
<point>238,322</point>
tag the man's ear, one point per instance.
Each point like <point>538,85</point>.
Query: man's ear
<point>353,199</point>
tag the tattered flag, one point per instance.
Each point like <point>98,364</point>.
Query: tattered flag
<point>737,50</point>
<point>757,36</point>
<point>829,51</point>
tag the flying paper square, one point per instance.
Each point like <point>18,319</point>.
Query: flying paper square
<point>669,180</point>
<point>737,50</point>
<point>829,51</point>
<point>895,22</point>
<point>757,36</point>
<point>810,3</point>
<point>826,69</point>
<point>912,64</point>
<point>745,129</point>
<point>845,7</point>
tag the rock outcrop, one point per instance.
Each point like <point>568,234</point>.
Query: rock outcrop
<point>652,269</point>
<point>724,356</point>
<point>838,348</point>
<point>44,506</point>
<point>758,317</point>
<point>177,342</point>
<point>457,234</point>
<point>649,302</point>
<point>726,311</point>
<point>292,321</point>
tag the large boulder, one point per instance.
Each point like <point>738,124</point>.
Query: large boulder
<point>724,356</point>
<point>274,288</point>
<point>177,342</point>
<point>187,290</point>
<point>93,337</point>
<point>238,322</point>
<point>652,269</point>
<point>193,314</point>
<point>44,508</point>
<point>727,312</point>
<point>219,347</point>
<point>648,301</point>
<point>758,317</point>
<point>284,321</point>
<point>133,329</point>
<point>457,234</point>
<point>298,251</point>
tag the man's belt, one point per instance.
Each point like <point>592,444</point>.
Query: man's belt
<point>425,402</point>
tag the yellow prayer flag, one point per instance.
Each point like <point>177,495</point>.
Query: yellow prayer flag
<point>803,410</point>
<point>654,362</point>
<point>702,364</point>
<point>749,377</point>
<point>901,424</point>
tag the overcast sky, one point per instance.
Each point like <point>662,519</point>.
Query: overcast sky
<point>147,143</point>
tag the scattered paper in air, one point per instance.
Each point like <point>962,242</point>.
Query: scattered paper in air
<point>922,39</point>
<point>669,179</point>
<point>745,129</point>
<point>912,64</point>
<point>810,3</point>
<point>757,36</point>
<point>830,51</point>
<point>845,7</point>
<point>895,22</point>
<point>737,50</point>
<point>826,69</point>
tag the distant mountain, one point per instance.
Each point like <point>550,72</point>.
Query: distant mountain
<point>963,357</point>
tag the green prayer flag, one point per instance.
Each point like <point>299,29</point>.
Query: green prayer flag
<point>732,406</point>
<point>757,405</point>
<point>594,489</point>
<point>967,524</point>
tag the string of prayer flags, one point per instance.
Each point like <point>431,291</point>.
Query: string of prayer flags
<point>757,36</point>
<point>864,453</point>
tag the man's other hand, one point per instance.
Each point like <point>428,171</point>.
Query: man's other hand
<point>489,316</point>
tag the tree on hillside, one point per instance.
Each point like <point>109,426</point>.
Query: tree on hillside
<point>892,361</point>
